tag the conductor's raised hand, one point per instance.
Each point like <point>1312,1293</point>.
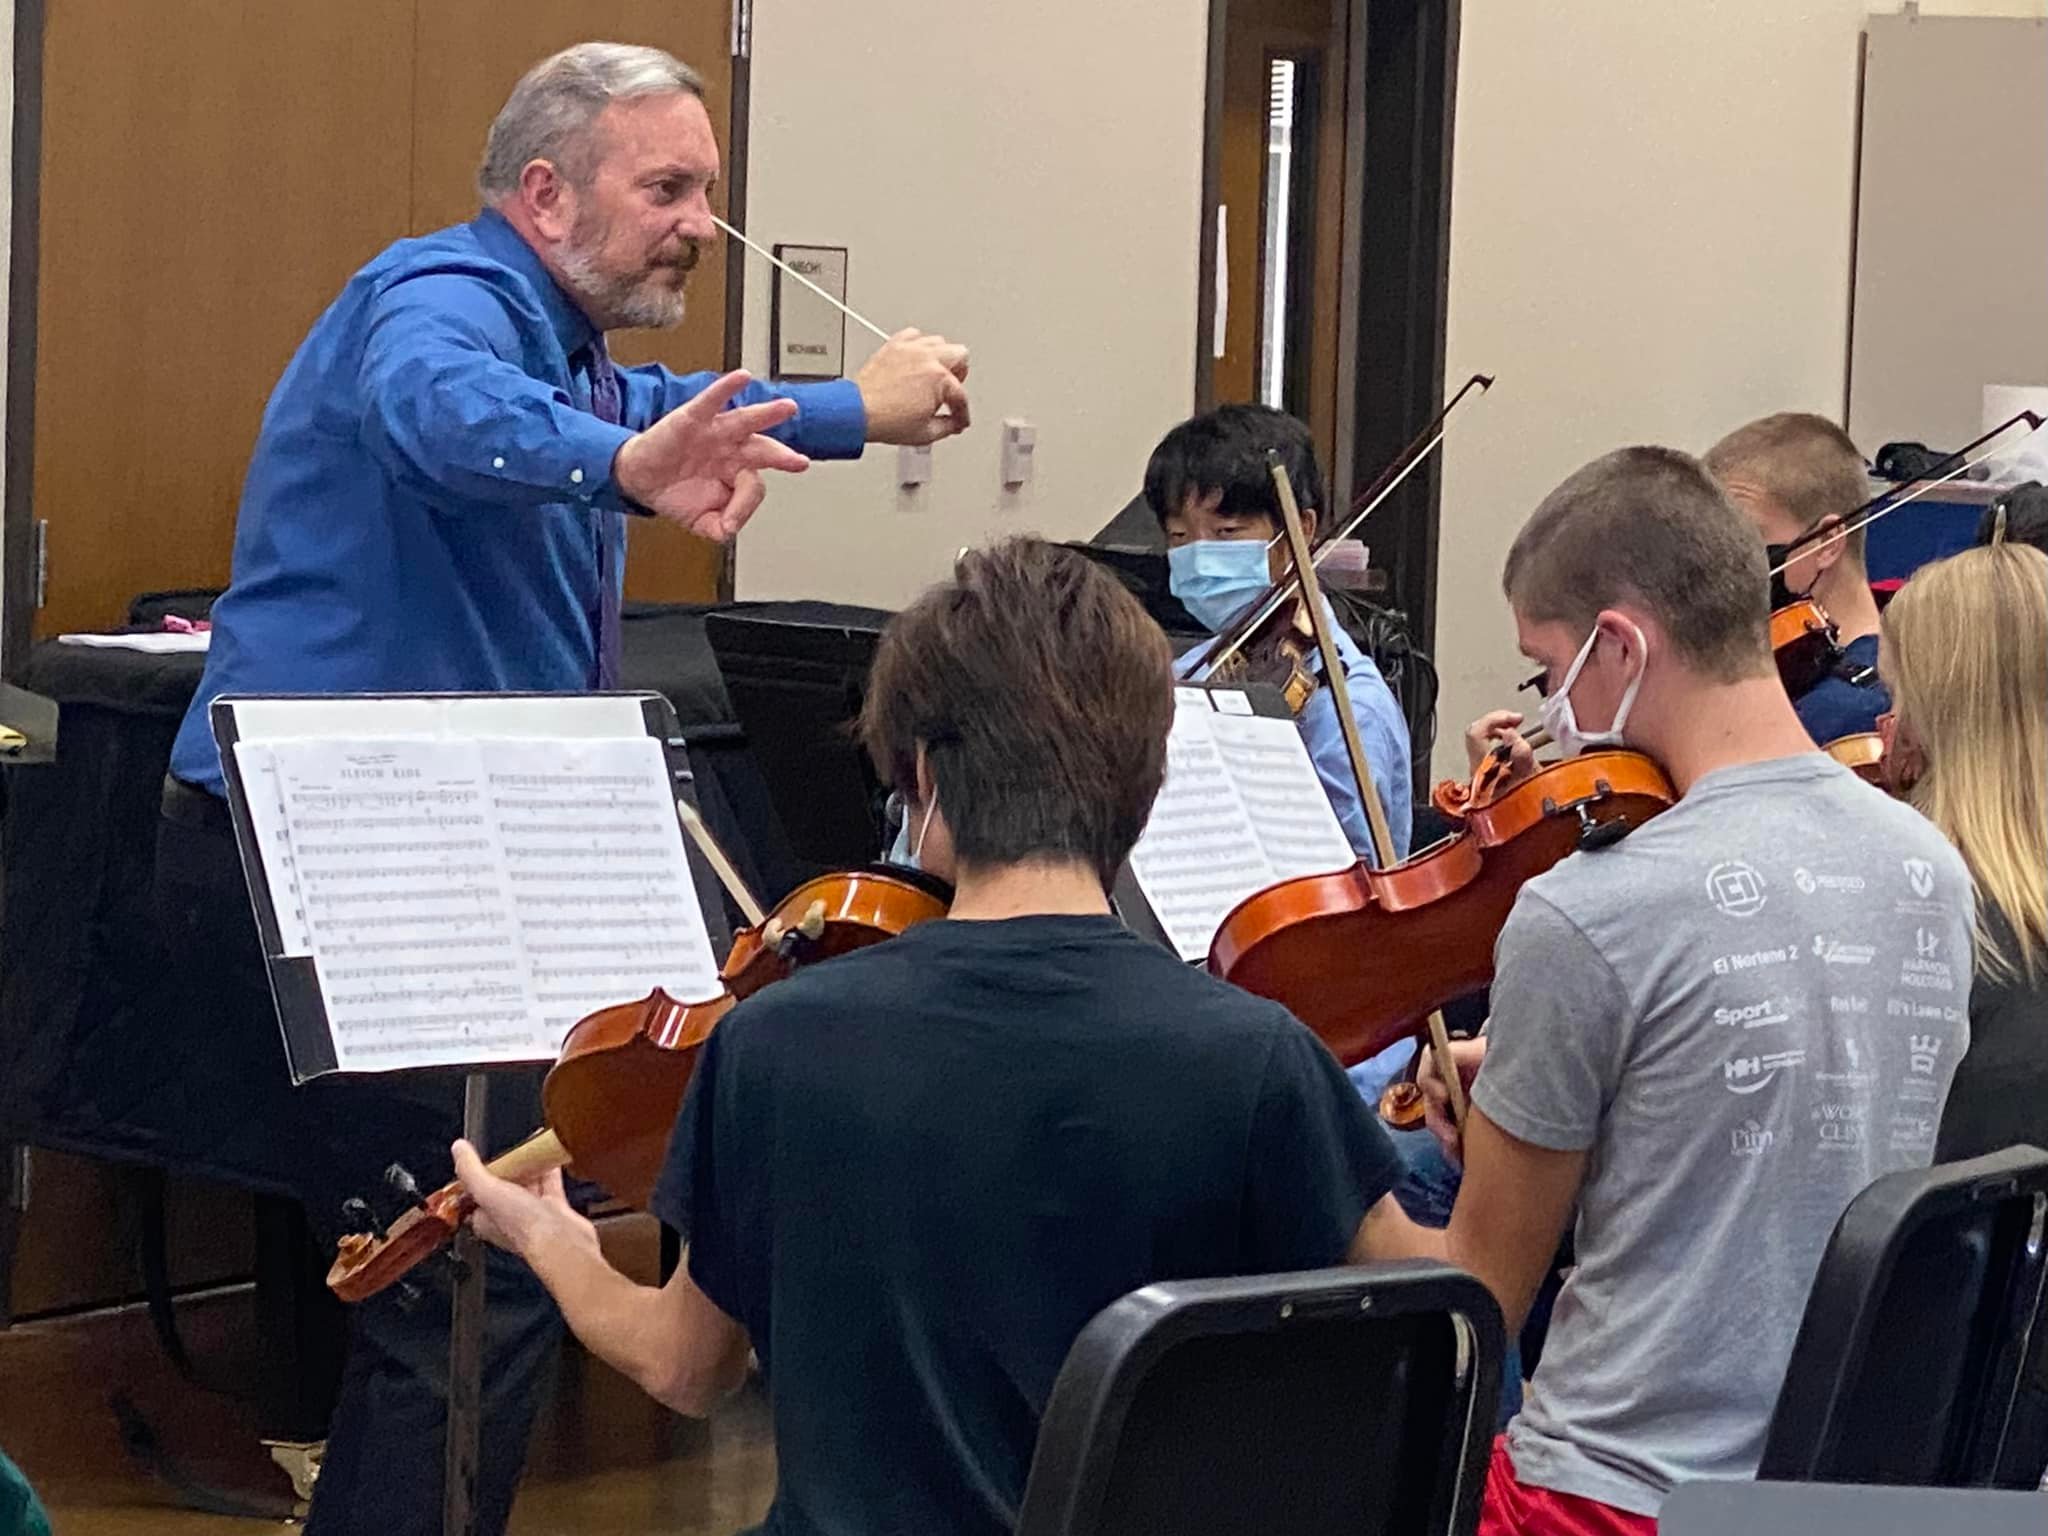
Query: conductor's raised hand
<point>700,464</point>
<point>914,388</point>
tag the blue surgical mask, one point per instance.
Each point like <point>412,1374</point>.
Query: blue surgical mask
<point>1217,579</point>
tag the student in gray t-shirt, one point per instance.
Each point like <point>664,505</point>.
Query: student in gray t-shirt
<point>1707,1038</point>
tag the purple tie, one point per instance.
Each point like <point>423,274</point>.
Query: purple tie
<point>606,405</point>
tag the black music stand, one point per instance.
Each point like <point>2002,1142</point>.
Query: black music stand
<point>301,1003</point>
<point>796,674</point>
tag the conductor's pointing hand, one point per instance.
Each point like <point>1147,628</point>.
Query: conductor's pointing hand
<point>700,465</point>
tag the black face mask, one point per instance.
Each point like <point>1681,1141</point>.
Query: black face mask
<point>1782,595</point>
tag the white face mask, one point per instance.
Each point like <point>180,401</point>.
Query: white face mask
<point>1556,711</point>
<point>923,827</point>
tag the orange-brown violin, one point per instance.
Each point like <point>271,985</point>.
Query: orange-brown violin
<point>1805,644</point>
<point>1363,955</point>
<point>612,1096</point>
<point>1863,754</point>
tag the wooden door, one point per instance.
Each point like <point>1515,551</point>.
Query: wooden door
<point>1315,33</point>
<point>471,52</point>
<point>213,170</point>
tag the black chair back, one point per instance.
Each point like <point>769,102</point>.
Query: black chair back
<point>1922,1359</point>
<point>1357,1400</point>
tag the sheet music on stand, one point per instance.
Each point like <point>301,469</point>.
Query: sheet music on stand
<point>455,881</point>
<point>1242,809</point>
<point>452,881</point>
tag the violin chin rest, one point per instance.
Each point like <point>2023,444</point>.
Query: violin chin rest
<point>1604,834</point>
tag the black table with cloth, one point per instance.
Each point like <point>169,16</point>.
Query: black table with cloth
<point>108,1045</point>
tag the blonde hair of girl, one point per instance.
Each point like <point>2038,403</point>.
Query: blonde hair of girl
<point>1964,650</point>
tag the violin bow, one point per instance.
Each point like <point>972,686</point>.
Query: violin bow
<point>776,261</point>
<point>1887,502</point>
<point>715,856</point>
<point>1354,747</point>
<point>1363,505</point>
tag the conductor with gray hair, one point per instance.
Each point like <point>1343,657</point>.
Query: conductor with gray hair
<point>438,502</point>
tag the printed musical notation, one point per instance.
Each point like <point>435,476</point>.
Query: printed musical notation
<point>1241,809</point>
<point>589,832</point>
<point>468,901</point>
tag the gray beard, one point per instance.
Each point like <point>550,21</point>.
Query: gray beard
<point>620,303</point>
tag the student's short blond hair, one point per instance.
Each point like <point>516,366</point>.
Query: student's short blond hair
<point>1804,463</point>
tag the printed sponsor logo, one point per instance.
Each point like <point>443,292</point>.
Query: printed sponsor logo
<point>1735,889</point>
<point>1855,1080</point>
<point>1853,1007</point>
<point>1841,1127</point>
<point>1913,1008</point>
<point>1728,965</point>
<point>1809,882</point>
<point>1753,1074</point>
<point>1926,975</point>
<point>1835,952</point>
<point>1920,875</point>
<point>1912,1133</point>
<point>1750,1140</point>
<point>1926,945</point>
<point>1754,1016</point>
<point>1923,1051</point>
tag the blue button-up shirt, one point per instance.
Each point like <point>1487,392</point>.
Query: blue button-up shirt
<point>422,511</point>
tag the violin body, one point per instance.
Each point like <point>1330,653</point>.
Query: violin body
<point>1277,654</point>
<point>1863,753</point>
<point>1363,955</point>
<point>1804,644</point>
<point>834,914</point>
<point>612,1097</point>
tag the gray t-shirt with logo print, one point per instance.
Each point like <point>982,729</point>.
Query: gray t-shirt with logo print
<point>1746,1011</point>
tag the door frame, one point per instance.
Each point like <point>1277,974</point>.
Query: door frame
<point>17,435</point>
<point>1400,98</point>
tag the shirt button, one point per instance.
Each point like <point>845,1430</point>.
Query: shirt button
<point>498,462</point>
<point>575,477</point>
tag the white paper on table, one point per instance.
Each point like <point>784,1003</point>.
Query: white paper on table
<point>159,642</point>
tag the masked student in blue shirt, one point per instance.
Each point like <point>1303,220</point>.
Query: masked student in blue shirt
<point>1210,486</point>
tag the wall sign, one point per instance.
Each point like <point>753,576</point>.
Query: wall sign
<point>807,336</point>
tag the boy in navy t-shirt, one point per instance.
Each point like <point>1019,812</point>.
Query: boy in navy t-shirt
<point>909,1176</point>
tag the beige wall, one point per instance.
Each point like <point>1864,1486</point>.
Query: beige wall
<point>1024,177</point>
<point>1650,242</point>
